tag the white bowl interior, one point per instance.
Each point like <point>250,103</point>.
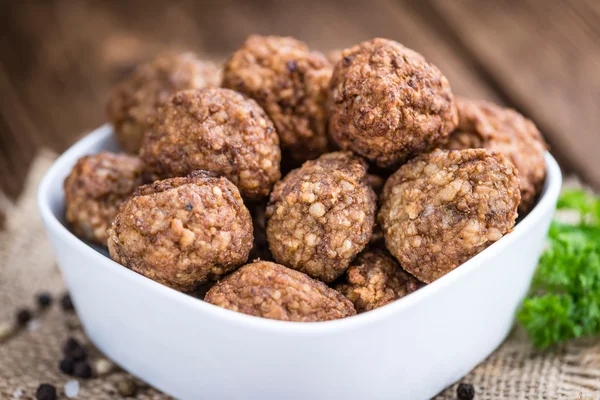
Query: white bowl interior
<point>412,348</point>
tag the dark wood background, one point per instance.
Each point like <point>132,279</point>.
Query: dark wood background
<point>59,57</point>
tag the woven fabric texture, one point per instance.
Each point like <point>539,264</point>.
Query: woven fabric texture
<point>30,356</point>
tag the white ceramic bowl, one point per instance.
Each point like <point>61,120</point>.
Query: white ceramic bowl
<point>410,349</point>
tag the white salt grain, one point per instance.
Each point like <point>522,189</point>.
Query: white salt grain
<point>18,393</point>
<point>103,366</point>
<point>72,388</point>
<point>33,325</point>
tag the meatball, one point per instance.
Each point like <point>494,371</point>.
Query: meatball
<point>95,189</point>
<point>269,290</point>
<point>375,279</point>
<point>440,209</point>
<point>138,96</point>
<point>388,104</point>
<point>486,125</point>
<point>217,130</point>
<point>183,232</point>
<point>321,215</point>
<point>290,82</point>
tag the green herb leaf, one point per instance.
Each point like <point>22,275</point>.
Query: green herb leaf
<point>564,300</point>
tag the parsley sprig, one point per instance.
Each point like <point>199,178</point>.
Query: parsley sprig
<point>564,300</point>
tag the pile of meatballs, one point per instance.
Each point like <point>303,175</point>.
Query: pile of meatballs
<point>299,187</point>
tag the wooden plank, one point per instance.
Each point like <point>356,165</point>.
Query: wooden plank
<point>60,57</point>
<point>545,58</point>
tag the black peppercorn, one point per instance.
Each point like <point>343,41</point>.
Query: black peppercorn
<point>44,300</point>
<point>66,303</point>
<point>23,316</point>
<point>45,392</point>
<point>78,354</point>
<point>73,350</point>
<point>83,370</point>
<point>70,345</point>
<point>465,391</point>
<point>67,366</point>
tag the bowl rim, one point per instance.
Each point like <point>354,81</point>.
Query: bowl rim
<point>550,192</point>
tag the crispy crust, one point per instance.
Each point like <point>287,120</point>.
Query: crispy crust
<point>443,208</point>
<point>96,188</point>
<point>182,232</point>
<point>321,215</point>
<point>388,104</point>
<point>137,97</point>
<point>269,290</point>
<point>486,125</point>
<point>290,82</point>
<point>375,279</point>
<point>216,130</point>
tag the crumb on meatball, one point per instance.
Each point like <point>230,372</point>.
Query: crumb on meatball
<point>486,125</point>
<point>388,104</point>
<point>136,97</point>
<point>216,130</point>
<point>375,279</point>
<point>268,290</point>
<point>183,232</point>
<point>320,216</point>
<point>95,189</point>
<point>291,83</point>
<point>440,209</point>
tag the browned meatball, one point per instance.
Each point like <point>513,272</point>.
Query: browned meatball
<point>182,232</point>
<point>96,188</point>
<point>321,215</point>
<point>290,82</point>
<point>269,290</point>
<point>388,104</point>
<point>375,279</point>
<point>486,125</point>
<point>138,96</point>
<point>442,208</point>
<point>217,130</point>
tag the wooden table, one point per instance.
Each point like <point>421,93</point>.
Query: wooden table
<point>58,58</point>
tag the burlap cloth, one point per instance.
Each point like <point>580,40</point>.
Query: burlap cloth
<point>30,357</point>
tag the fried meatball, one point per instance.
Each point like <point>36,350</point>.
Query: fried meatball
<point>388,104</point>
<point>268,290</point>
<point>375,279</point>
<point>320,216</point>
<point>290,82</point>
<point>138,96</point>
<point>486,125</point>
<point>95,189</point>
<point>183,232</point>
<point>440,209</point>
<point>216,130</point>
